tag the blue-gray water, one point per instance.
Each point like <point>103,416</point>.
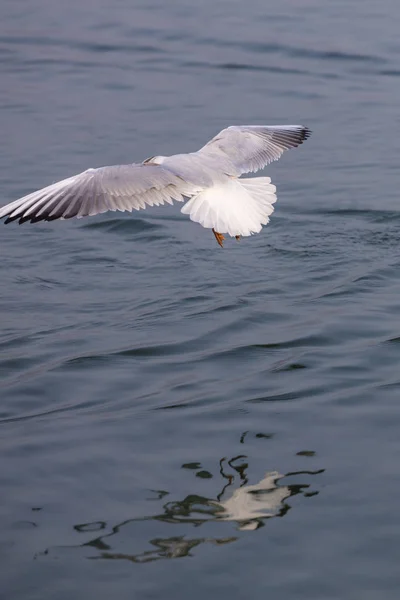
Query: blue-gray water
<point>148,378</point>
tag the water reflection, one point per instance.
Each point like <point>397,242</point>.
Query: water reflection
<point>173,547</point>
<point>247,505</point>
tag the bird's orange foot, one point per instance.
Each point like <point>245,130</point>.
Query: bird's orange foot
<point>219,237</point>
<point>238,238</point>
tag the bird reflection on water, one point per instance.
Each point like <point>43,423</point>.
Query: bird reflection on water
<point>249,506</point>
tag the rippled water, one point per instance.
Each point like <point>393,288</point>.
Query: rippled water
<point>238,410</point>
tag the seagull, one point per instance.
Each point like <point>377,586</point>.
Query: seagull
<point>210,181</point>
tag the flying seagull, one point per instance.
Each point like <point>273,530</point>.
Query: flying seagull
<point>209,179</point>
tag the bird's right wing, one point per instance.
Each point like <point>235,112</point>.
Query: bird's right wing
<point>252,147</point>
<point>123,188</point>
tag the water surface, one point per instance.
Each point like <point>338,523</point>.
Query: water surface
<point>235,411</point>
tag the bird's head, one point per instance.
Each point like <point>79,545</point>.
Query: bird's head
<point>154,160</point>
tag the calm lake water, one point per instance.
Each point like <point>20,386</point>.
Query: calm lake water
<point>178,420</point>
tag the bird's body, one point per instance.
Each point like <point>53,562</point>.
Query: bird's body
<point>209,179</point>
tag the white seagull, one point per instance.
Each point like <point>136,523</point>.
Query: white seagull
<point>209,179</point>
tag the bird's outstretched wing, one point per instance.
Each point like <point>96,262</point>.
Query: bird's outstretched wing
<point>124,188</point>
<point>252,147</point>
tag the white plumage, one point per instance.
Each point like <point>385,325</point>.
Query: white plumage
<point>209,178</point>
<point>235,207</point>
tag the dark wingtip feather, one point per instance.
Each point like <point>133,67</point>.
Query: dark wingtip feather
<point>305,133</point>
<point>24,219</point>
<point>33,219</point>
<point>10,220</point>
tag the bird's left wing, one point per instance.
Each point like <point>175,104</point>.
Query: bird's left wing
<point>252,147</point>
<point>122,187</point>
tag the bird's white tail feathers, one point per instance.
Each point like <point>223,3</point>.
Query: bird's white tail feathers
<point>236,207</point>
